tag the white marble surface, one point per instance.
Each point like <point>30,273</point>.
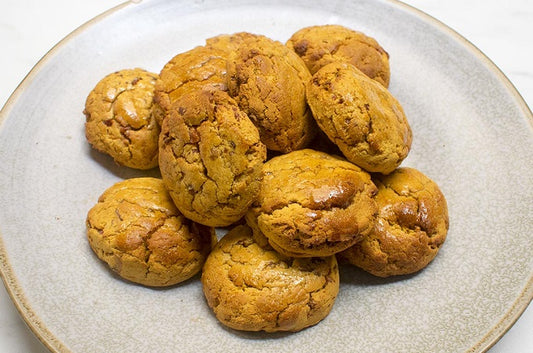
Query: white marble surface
<point>29,28</point>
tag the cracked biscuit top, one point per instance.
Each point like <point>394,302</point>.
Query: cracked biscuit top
<point>360,116</point>
<point>121,120</point>
<point>210,157</point>
<point>321,45</point>
<point>411,226</point>
<point>268,82</point>
<point>136,229</point>
<point>200,67</point>
<point>313,204</point>
<point>253,288</point>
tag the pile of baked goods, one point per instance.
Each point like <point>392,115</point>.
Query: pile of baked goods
<point>293,149</point>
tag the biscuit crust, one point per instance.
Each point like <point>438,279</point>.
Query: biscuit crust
<point>313,204</point>
<point>210,158</point>
<point>136,229</point>
<point>268,82</point>
<point>121,120</point>
<point>252,288</point>
<point>360,116</point>
<point>324,44</point>
<point>229,42</point>
<point>411,226</point>
<point>200,67</point>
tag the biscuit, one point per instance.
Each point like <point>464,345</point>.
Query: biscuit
<point>198,68</point>
<point>121,120</point>
<point>210,157</point>
<point>411,226</point>
<point>268,82</point>
<point>360,116</point>
<point>252,288</point>
<point>313,204</point>
<point>136,229</point>
<point>321,45</point>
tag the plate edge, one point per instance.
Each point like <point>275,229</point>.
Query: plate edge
<point>10,281</point>
<point>520,305</point>
<point>489,64</point>
<point>27,314</point>
<point>507,321</point>
<point>50,53</point>
<point>52,343</point>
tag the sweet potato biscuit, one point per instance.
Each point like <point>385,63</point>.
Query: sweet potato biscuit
<point>268,82</point>
<point>210,157</point>
<point>411,226</point>
<point>360,116</point>
<point>313,204</point>
<point>136,229</point>
<point>321,45</point>
<point>121,119</point>
<point>200,67</point>
<point>252,288</point>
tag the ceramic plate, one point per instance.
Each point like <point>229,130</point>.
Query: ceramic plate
<point>472,135</point>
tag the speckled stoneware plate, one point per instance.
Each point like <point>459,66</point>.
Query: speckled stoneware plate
<point>472,135</point>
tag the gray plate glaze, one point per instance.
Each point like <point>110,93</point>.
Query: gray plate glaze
<point>472,135</point>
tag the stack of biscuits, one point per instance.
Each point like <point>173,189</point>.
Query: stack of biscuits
<point>294,150</point>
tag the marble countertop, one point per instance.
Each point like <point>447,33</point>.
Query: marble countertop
<point>29,28</point>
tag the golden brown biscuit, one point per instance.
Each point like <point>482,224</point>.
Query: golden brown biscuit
<point>136,229</point>
<point>268,82</point>
<point>121,119</point>
<point>313,204</point>
<point>360,116</point>
<point>198,68</point>
<point>252,288</point>
<point>210,157</point>
<point>411,226</point>
<point>321,45</point>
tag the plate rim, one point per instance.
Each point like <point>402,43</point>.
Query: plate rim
<point>51,342</point>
